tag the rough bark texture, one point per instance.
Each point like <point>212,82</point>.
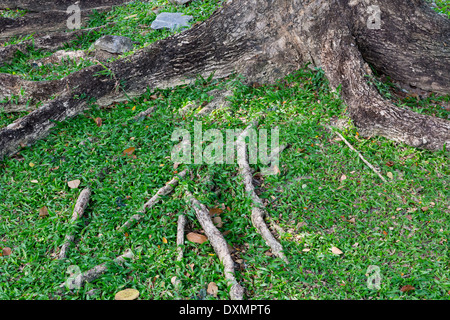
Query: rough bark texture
<point>180,235</point>
<point>94,273</point>
<point>265,40</point>
<point>167,189</point>
<point>47,16</point>
<point>258,208</point>
<point>219,244</point>
<point>50,42</point>
<point>78,211</point>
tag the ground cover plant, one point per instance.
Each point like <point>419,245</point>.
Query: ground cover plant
<point>336,218</point>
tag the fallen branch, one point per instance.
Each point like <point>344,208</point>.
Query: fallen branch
<point>78,212</point>
<point>359,154</point>
<point>168,188</point>
<point>258,209</point>
<point>219,244</point>
<point>94,273</point>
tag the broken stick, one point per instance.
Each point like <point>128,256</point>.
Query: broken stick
<point>219,244</point>
<point>359,154</point>
<point>78,211</point>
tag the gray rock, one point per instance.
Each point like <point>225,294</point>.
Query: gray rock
<point>114,44</point>
<point>171,21</point>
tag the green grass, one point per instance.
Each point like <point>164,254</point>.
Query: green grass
<point>12,14</point>
<point>400,226</point>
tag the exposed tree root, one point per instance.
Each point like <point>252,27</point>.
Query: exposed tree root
<point>219,244</point>
<point>145,113</point>
<point>246,37</point>
<point>167,189</point>
<point>180,235</point>
<point>258,208</point>
<point>42,19</point>
<point>50,42</point>
<point>78,212</point>
<point>92,274</point>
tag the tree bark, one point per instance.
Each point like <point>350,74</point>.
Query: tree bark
<point>266,40</point>
<point>44,16</point>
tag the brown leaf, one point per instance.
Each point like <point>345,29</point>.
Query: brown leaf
<point>276,170</point>
<point>43,212</point>
<point>196,238</point>
<point>214,211</point>
<point>98,122</point>
<point>74,184</point>
<point>407,288</point>
<point>218,222</point>
<point>6,251</point>
<point>127,294</point>
<point>390,163</point>
<point>129,151</point>
<point>213,289</point>
<point>336,250</point>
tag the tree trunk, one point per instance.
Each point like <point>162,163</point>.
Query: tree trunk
<point>266,40</point>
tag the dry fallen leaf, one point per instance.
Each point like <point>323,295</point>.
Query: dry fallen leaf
<point>6,251</point>
<point>218,222</point>
<point>74,184</point>
<point>43,212</point>
<point>214,211</point>
<point>336,250</point>
<point>98,122</point>
<point>127,294</point>
<point>407,288</point>
<point>390,175</point>
<point>164,240</point>
<point>31,164</point>
<point>213,289</point>
<point>196,238</point>
<point>276,170</point>
<point>343,177</point>
<point>129,151</point>
<point>34,181</point>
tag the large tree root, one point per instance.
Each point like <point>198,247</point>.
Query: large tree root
<point>244,38</point>
<point>43,18</point>
<point>219,244</point>
<point>78,212</point>
<point>258,208</point>
<point>50,42</point>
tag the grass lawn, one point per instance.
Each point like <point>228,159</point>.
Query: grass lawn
<point>323,197</point>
